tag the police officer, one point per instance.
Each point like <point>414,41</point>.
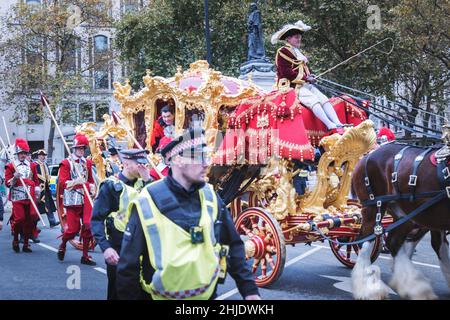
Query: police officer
<point>180,234</point>
<point>113,164</point>
<point>110,209</point>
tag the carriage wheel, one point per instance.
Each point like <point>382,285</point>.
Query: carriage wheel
<point>239,204</point>
<point>264,244</point>
<point>347,254</point>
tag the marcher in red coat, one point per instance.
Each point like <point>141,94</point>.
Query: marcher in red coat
<point>162,166</point>
<point>292,68</point>
<point>385,135</point>
<point>23,213</point>
<point>75,200</point>
<point>166,120</point>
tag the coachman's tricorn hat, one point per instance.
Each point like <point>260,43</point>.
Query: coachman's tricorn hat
<point>289,30</point>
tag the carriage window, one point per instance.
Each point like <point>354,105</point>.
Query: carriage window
<point>223,117</point>
<point>140,131</point>
<point>194,118</point>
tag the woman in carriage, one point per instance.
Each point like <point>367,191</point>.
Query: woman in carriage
<point>292,66</point>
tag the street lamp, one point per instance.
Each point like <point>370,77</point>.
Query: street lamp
<point>207,34</point>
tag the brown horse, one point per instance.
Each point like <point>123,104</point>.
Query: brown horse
<point>406,280</point>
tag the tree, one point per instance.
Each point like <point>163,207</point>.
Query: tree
<point>422,55</point>
<point>41,51</point>
<point>169,33</point>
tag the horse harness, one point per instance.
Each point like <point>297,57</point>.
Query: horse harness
<point>443,173</point>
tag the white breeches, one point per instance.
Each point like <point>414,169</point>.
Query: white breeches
<point>309,95</point>
<point>318,103</point>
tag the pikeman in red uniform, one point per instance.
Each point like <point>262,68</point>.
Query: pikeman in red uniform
<point>75,201</point>
<point>23,213</point>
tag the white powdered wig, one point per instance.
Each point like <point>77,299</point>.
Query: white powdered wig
<point>299,25</point>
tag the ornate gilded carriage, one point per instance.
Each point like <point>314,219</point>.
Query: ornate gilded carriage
<point>267,210</point>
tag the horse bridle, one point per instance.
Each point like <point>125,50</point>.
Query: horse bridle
<point>443,173</point>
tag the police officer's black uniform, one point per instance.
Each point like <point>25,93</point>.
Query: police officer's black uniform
<point>134,245</point>
<point>107,201</point>
<point>185,211</point>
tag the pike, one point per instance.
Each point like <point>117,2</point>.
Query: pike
<point>77,171</point>
<point>117,119</point>
<point>21,180</point>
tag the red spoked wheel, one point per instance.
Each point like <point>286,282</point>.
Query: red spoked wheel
<point>264,244</point>
<point>244,201</point>
<point>347,254</point>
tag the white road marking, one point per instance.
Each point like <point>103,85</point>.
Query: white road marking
<point>415,262</point>
<point>345,283</point>
<point>227,294</point>
<point>47,247</point>
<point>388,258</point>
<point>302,256</point>
<point>100,270</point>
<point>287,264</point>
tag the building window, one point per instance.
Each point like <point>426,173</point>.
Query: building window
<point>101,109</point>
<point>86,112</point>
<point>130,6</point>
<point>35,114</point>
<point>33,2</point>
<point>433,120</point>
<point>69,113</point>
<point>105,6</point>
<point>101,63</point>
<point>33,62</point>
<point>70,56</point>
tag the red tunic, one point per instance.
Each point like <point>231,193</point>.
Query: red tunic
<point>289,67</point>
<point>158,132</point>
<point>64,174</point>
<point>9,175</point>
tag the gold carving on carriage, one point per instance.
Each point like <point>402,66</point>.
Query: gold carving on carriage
<point>266,207</point>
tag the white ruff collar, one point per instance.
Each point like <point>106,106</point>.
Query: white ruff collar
<point>75,158</point>
<point>25,162</point>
